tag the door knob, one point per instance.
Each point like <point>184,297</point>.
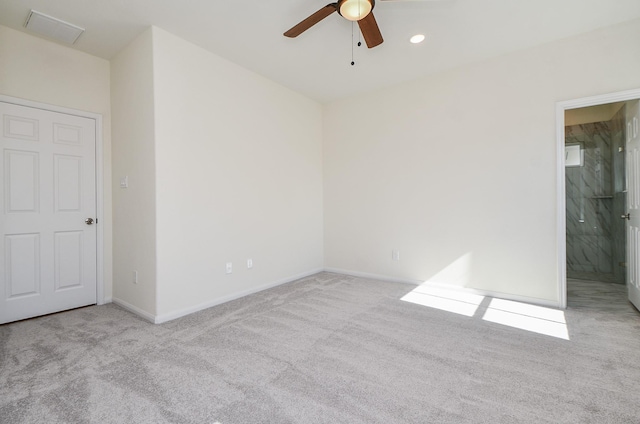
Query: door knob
<point>627,216</point>
<point>88,221</point>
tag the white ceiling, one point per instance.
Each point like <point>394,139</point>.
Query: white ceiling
<point>317,63</point>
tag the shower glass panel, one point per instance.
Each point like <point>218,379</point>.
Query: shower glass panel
<point>595,199</point>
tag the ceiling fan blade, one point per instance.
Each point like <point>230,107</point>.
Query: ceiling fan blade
<point>370,30</point>
<point>311,20</point>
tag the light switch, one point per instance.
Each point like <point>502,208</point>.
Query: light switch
<point>124,182</point>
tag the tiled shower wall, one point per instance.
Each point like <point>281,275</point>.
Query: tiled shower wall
<point>595,200</point>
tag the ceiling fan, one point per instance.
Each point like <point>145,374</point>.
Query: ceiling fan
<point>360,11</point>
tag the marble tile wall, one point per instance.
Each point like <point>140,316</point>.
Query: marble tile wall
<point>592,231</point>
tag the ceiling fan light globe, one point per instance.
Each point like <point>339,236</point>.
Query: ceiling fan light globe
<point>354,10</point>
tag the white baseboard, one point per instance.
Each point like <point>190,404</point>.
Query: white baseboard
<point>487,293</point>
<point>135,310</point>
<point>159,319</point>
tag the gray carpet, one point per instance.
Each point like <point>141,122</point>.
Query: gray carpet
<point>325,349</point>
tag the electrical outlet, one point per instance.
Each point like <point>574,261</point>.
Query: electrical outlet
<point>229,267</point>
<point>135,277</point>
<point>249,263</point>
<point>395,255</point>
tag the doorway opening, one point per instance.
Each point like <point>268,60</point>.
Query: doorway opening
<point>595,192</point>
<point>592,189</point>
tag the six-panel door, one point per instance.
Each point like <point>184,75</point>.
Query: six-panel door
<point>48,252</point>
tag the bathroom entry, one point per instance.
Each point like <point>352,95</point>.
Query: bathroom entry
<point>596,192</point>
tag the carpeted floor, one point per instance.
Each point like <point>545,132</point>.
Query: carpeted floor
<point>325,349</point>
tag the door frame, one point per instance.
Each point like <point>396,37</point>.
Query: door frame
<point>561,107</point>
<point>100,299</point>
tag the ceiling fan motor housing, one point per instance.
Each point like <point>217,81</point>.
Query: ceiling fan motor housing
<point>355,10</point>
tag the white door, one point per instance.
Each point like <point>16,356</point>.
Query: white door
<point>48,190</point>
<point>633,202</point>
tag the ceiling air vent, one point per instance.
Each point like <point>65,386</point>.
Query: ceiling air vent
<point>52,28</point>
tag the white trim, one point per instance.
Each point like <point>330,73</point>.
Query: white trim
<point>135,310</point>
<point>487,293</point>
<point>100,212</point>
<point>561,224</point>
<point>561,107</point>
<point>159,319</point>
<point>99,179</point>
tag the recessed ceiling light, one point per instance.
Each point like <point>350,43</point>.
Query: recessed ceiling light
<point>418,38</point>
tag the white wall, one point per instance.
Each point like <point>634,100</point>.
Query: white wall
<point>458,170</point>
<point>42,71</point>
<point>239,175</point>
<point>134,208</point>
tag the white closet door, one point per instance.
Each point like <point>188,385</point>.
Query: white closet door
<point>48,251</point>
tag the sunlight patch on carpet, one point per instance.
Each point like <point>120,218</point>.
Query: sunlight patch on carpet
<point>523,316</point>
<point>447,300</point>
<point>537,319</point>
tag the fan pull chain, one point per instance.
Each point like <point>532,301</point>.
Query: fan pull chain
<point>352,61</point>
